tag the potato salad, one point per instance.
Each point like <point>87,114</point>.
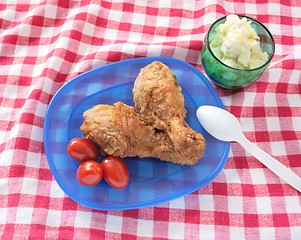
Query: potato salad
<point>237,44</point>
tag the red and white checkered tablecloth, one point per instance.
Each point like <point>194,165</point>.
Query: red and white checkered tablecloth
<point>44,44</point>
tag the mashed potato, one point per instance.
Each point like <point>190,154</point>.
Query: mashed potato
<point>237,44</point>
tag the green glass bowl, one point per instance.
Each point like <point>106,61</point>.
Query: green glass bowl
<point>228,77</point>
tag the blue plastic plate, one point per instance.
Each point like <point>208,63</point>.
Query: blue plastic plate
<point>151,181</point>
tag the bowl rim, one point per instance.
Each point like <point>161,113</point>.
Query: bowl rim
<point>253,20</point>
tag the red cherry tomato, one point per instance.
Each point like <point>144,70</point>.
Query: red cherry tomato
<point>115,172</point>
<point>81,149</point>
<point>89,173</point>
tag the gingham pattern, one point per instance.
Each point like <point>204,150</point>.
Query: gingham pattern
<point>44,44</point>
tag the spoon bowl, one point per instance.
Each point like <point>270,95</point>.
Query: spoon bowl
<point>219,123</point>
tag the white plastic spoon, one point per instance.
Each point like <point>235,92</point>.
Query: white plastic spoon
<point>224,126</point>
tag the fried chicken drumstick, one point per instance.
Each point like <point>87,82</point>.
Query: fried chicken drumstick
<point>121,131</point>
<point>159,98</point>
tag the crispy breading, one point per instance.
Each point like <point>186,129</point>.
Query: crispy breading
<point>121,131</point>
<point>158,96</point>
<point>158,130</point>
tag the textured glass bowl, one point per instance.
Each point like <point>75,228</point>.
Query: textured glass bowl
<point>228,77</point>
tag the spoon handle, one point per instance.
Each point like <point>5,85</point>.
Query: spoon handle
<point>278,168</point>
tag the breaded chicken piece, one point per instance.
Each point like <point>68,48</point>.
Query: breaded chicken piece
<point>121,131</point>
<point>158,96</point>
